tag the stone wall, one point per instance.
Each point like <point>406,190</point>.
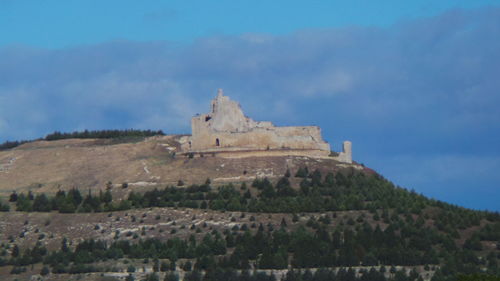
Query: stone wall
<point>346,154</point>
<point>226,128</point>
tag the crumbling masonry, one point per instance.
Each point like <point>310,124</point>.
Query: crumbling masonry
<point>227,132</point>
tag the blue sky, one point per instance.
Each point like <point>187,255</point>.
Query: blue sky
<point>56,24</point>
<point>414,84</point>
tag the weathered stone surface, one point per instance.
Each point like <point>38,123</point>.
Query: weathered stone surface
<point>346,154</point>
<point>227,130</point>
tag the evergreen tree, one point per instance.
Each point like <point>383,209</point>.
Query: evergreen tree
<point>13,197</point>
<point>287,173</point>
<point>15,251</point>
<point>45,271</point>
<point>152,277</point>
<point>42,203</point>
<point>194,275</point>
<point>316,178</point>
<point>171,277</point>
<point>302,172</point>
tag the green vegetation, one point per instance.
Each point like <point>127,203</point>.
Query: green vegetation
<point>4,207</point>
<point>344,246</point>
<point>392,226</point>
<point>96,134</point>
<point>478,277</point>
<point>103,134</point>
<point>66,202</point>
<point>11,144</point>
<point>348,190</point>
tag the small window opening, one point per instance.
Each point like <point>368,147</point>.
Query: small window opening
<point>207,118</point>
<point>217,142</point>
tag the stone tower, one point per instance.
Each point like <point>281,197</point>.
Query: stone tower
<point>346,154</point>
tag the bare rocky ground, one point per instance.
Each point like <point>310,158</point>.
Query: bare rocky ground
<point>25,229</point>
<point>47,166</point>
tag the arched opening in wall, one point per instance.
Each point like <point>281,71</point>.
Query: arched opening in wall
<point>217,142</point>
<point>190,146</point>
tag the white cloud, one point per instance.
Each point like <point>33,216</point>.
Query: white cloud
<point>428,86</point>
<point>330,83</point>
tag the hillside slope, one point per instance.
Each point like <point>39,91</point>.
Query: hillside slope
<point>209,218</point>
<point>47,166</point>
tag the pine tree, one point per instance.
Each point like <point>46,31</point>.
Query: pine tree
<point>302,172</point>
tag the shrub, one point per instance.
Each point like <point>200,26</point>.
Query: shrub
<point>45,271</point>
<point>302,172</point>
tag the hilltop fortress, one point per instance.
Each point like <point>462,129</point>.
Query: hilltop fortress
<point>227,132</point>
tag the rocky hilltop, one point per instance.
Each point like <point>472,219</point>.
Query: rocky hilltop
<point>48,166</point>
<point>217,205</point>
<point>229,147</point>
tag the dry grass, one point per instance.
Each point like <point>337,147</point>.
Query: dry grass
<point>89,164</point>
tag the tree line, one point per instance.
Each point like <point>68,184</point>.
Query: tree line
<point>64,202</point>
<point>408,239</point>
<point>86,134</point>
<point>267,248</point>
<point>102,134</point>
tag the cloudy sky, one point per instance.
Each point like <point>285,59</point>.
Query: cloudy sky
<point>415,85</point>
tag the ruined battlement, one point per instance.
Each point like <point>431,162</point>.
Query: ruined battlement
<point>225,129</point>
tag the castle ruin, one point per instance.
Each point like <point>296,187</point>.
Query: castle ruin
<point>227,132</point>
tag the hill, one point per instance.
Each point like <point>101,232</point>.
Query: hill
<point>48,166</point>
<point>110,209</point>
